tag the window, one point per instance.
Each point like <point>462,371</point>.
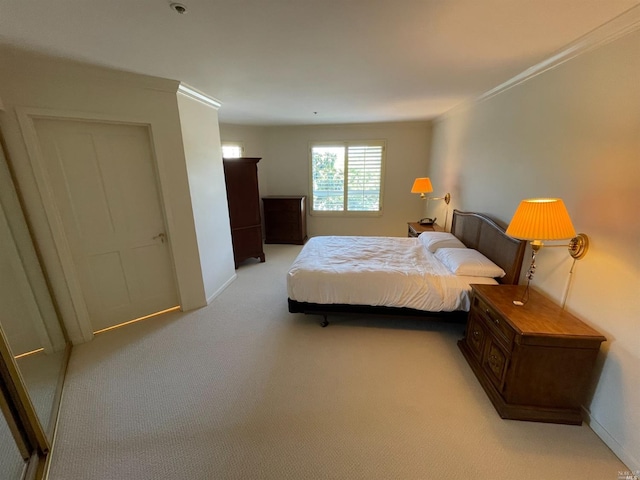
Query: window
<point>232,149</point>
<point>347,177</point>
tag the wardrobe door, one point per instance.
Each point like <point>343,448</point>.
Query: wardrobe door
<point>243,197</point>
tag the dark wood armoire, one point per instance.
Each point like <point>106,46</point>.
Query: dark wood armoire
<point>243,197</point>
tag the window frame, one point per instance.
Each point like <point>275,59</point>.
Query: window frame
<point>346,144</point>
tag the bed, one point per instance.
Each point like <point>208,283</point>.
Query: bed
<point>403,276</point>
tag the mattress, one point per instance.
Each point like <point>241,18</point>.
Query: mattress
<point>377,271</point>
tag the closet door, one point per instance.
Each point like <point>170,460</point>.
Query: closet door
<point>20,429</point>
<point>12,463</point>
<point>33,347</point>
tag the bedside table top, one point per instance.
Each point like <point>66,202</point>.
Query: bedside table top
<point>539,316</point>
<point>418,229</point>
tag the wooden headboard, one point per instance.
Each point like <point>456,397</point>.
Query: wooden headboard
<point>483,234</point>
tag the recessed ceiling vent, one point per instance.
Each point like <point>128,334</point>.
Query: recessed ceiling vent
<point>178,7</point>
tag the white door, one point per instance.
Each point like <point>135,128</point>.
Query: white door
<point>104,185</point>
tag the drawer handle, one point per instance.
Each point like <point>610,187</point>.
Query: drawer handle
<point>494,320</point>
<point>494,363</point>
<point>476,333</point>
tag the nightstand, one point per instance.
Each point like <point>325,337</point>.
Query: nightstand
<point>536,361</point>
<point>416,229</point>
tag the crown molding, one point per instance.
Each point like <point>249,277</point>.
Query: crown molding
<point>198,96</point>
<point>624,24</point>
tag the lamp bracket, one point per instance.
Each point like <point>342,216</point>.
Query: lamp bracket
<point>578,246</point>
<point>446,198</point>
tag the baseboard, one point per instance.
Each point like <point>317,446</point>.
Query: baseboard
<point>221,289</point>
<point>633,464</point>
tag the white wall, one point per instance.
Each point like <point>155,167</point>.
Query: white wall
<point>571,132</point>
<point>69,89</point>
<point>201,139</point>
<point>286,162</point>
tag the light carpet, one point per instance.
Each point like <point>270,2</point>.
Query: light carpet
<point>242,389</point>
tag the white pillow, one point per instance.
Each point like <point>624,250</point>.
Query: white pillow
<point>435,240</point>
<point>468,262</point>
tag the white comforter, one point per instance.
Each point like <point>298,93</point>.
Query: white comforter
<point>388,271</point>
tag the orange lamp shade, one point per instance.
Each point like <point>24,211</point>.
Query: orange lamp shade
<point>541,219</point>
<point>422,185</point>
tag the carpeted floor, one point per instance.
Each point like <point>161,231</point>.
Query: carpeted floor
<point>242,389</point>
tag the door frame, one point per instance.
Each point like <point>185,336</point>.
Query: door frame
<point>26,119</point>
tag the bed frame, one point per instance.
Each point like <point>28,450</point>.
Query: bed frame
<point>476,231</point>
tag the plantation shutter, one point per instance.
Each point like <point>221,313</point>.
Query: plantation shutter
<point>346,177</point>
<point>364,177</point>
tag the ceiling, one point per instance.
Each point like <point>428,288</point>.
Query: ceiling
<point>285,62</point>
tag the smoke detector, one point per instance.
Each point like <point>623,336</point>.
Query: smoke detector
<point>178,7</point>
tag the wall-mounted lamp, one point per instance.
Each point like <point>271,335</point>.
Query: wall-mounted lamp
<point>422,186</point>
<point>538,219</point>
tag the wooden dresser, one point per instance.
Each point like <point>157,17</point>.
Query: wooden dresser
<point>241,178</point>
<point>285,219</point>
<point>536,361</point>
